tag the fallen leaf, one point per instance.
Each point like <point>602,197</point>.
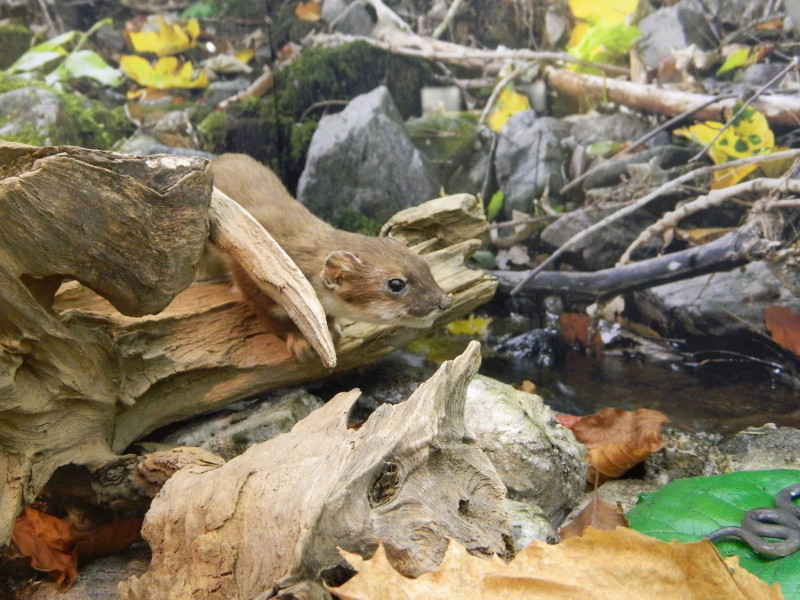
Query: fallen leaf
<point>47,542</point>
<point>167,73</point>
<point>600,565</point>
<point>687,510</point>
<point>783,325</point>
<point>618,440</point>
<point>472,325</point>
<point>308,11</point>
<point>169,39</point>
<point>598,514</point>
<point>526,386</point>
<point>567,420</point>
<point>508,103</point>
<point>54,546</point>
<point>575,329</point>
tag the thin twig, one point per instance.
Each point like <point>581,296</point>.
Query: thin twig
<point>448,18</point>
<point>790,67</point>
<point>496,92</point>
<point>642,140</point>
<point>580,236</point>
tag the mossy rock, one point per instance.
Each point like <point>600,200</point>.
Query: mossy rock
<point>448,139</point>
<point>33,113</point>
<point>15,41</point>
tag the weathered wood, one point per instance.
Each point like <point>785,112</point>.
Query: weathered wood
<point>732,250</point>
<point>258,525</point>
<point>132,229</point>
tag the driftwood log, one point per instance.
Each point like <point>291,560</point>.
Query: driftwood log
<point>269,522</point>
<point>91,366</point>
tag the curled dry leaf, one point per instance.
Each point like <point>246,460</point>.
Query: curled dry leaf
<point>601,565</point>
<point>618,440</point>
<point>783,325</point>
<point>598,514</point>
<point>54,546</point>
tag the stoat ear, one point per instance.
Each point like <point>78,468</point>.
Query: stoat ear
<point>337,265</point>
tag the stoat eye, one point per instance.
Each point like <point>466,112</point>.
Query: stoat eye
<point>396,285</point>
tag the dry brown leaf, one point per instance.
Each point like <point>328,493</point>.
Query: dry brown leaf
<point>618,440</point>
<point>783,325</point>
<point>308,11</point>
<point>526,386</point>
<point>52,545</point>
<point>47,542</point>
<point>601,565</point>
<point>598,514</point>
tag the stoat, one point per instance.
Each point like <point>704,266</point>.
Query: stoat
<point>362,278</point>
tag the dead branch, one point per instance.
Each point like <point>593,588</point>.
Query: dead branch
<point>730,251</point>
<point>642,202</point>
<point>778,109</point>
<point>713,198</point>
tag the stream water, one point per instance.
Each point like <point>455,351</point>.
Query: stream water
<point>724,395</point>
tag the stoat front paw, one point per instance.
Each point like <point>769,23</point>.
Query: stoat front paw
<point>299,347</point>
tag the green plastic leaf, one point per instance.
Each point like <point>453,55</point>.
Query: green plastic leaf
<point>86,63</point>
<point>689,509</point>
<point>735,60</point>
<point>495,204</point>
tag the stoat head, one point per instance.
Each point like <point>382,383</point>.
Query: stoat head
<point>379,280</point>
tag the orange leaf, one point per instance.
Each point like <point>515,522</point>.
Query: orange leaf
<point>52,545</point>
<point>619,439</point>
<point>783,325</point>
<point>575,328</point>
<point>308,11</point>
<point>598,514</point>
<point>110,538</point>
<point>567,420</point>
<point>526,386</point>
<point>47,542</point>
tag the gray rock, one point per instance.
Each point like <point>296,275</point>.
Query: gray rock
<point>31,108</point>
<point>684,454</point>
<point>529,524</point>
<point>538,460</point>
<point>723,303</point>
<point>601,249</point>
<point>530,157</point>
<point>361,160</point>
<point>616,127</point>
<point>766,447</point>
<point>671,28</point>
<point>217,91</point>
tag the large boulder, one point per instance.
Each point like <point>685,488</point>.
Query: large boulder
<point>361,160</point>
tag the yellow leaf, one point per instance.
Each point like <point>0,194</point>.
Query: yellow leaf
<point>166,74</point>
<point>749,135</point>
<point>611,11</point>
<point>308,11</point>
<point>508,103</point>
<point>471,326</point>
<point>246,55</point>
<point>169,39</point>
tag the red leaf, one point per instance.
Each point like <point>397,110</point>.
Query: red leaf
<point>783,325</point>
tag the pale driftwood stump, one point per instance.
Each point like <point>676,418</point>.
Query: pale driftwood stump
<point>271,520</point>
<point>85,374</point>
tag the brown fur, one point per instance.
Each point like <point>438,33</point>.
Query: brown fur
<point>350,272</point>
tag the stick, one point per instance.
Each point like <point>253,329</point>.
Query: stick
<point>578,237</point>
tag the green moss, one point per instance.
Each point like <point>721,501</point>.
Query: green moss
<point>24,133</point>
<point>9,83</point>
<point>213,132</point>
<point>448,139</point>
<point>91,124</point>
<point>351,220</point>
<point>15,41</point>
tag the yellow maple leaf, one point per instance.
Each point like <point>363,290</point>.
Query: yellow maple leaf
<point>470,326</point>
<point>246,55</point>
<point>749,135</point>
<point>168,40</point>
<point>167,73</point>
<point>508,103</point>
